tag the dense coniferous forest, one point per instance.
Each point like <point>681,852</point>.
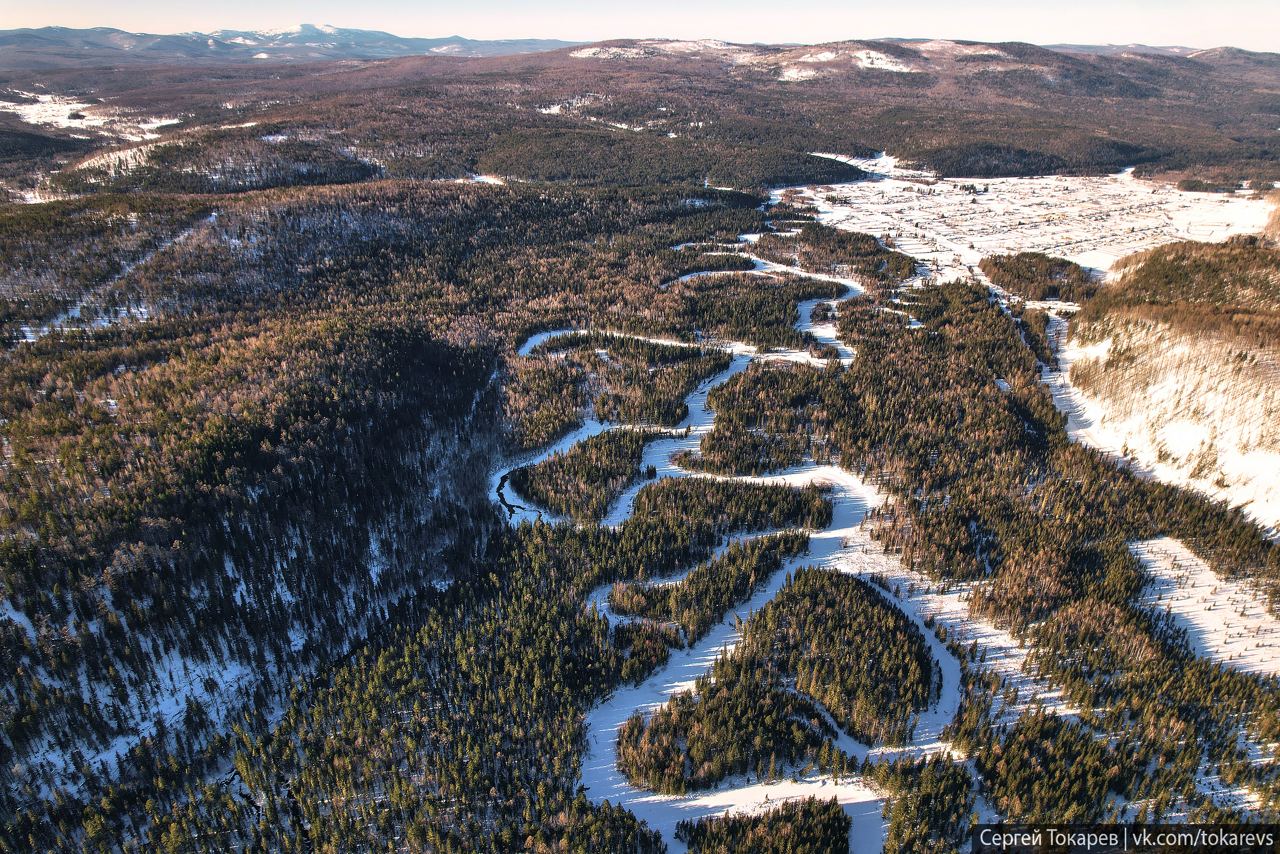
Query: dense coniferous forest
<point>223,402</point>
<point>908,378</point>
<point>622,379</point>
<point>955,522</point>
<point>699,600</point>
<point>583,481</point>
<point>743,307</point>
<point>814,407</point>
<point>797,827</point>
<point>627,116</point>
<point>875,677</point>
<point>1227,291</point>
<point>766,422</point>
<point>739,720</point>
<point>1036,276</point>
<point>832,637</point>
<point>823,249</point>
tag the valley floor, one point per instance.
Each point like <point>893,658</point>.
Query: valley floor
<point>948,228</point>
<point>951,224</point>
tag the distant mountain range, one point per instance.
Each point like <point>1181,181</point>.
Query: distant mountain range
<point>61,47</point>
<point>54,48</point>
<point>1112,49</point>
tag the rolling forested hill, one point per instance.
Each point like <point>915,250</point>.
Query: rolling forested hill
<point>1182,355</point>
<point>959,108</point>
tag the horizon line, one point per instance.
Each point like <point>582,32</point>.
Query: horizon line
<point>572,42</point>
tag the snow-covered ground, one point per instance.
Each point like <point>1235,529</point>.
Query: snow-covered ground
<point>483,179</point>
<point>600,774</point>
<point>1085,421</point>
<point>824,332</point>
<point>61,111</point>
<point>1093,221</point>
<point>118,161</point>
<point>516,507</point>
<point>73,318</point>
<point>534,340</point>
<point>811,65</point>
<point>946,47</point>
<point>1226,621</point>
<point>734,53</point>
<point>948,606</point>
<point>789,65</point>
<point>1184,410</point>
<point>844,546</point>
<point>611,52</point>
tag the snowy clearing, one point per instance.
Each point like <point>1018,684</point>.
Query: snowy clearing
<point>1204,425</point>
<point>1226,621</point>
<point>794,73</point>
<point>946,47</point>
<point>611,53</point>
<point>876,60</point>
<point>953,223</point>
<point>61,111</point>
<point>483,179</point>
<point>1084,416</point>
<point>119,161</point>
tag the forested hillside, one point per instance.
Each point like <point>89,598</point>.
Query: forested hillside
<point>623,113</point>
<point>1180,358</point>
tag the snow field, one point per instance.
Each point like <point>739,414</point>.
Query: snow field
<point>1207,423</point>
<point>1091,220</point>
<point>1085,416</point>
<point>1226,621</point>
<point>61,111</point>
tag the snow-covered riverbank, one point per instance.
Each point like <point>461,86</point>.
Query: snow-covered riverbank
<point>851,499</point>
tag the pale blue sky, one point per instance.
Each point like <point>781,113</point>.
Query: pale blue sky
<point>1253,24</point>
